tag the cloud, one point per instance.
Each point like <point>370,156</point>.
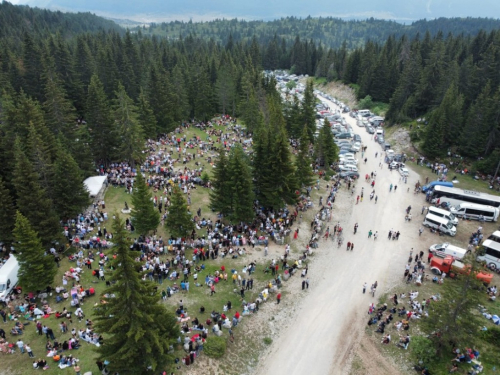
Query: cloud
<point>428,6</point>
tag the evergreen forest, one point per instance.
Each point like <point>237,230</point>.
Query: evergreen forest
<point>74,99</point>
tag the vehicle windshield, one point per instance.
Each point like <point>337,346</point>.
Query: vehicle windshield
<point>450,226</point>
<point>2,287</point>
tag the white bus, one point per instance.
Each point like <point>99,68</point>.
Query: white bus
<point>490,253</point>
<point>473,211</point>
<point>455,196</point>
<point>495,236</point>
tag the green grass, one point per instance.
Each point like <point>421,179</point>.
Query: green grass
<point>403,357</point>
<point>465,181</point>
<point>115,199</point>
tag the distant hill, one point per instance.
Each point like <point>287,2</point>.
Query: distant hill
<point>331,32</point>
<point>18,19</point>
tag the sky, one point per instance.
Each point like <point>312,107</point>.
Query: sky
<point>204,10</point>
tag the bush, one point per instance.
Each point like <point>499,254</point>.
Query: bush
<point>328,174</point>
<point>422,349</point>
<point>204,177</point>
<point>215,346</point>
<point>268,340</point>
<point>492,335</point>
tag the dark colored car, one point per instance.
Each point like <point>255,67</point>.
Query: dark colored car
<point>349,174</point>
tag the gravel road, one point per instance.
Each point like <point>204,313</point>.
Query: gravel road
<point>328,322</point>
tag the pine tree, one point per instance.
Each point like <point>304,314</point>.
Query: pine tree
<point>219,195</point>
<point>304,172</point>
<point>129,129</point>
<point>146,217</point>
<point>59,112</point>
<point>309,110</point>
<point>32,200</point>
<point>444,123</point>
<point>70,196</point>
<point>325,149</point>
<point>103,132</point>
<point>454,322</point>
<point>132,344</point>
<point>7,215</point>
<point>36,269</point>
<point>240,186</point>
<point>179,221</point>
<point>251,115</point>
<point>147,118</point>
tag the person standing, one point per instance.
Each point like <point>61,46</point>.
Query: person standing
<point>20,345</point>
<point>375,235</point>
<point>348,246</point>
<point>355,228</point>
<point>303,284</point>
<point>420,231</point>
<point>370,234</point>
<point>352,246</point>
<point>364,287</point>
<point>307,283</point>
<point>212,290</point>
<point>278,298</point>
<point>29,351</point>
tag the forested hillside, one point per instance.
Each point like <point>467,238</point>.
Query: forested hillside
<point>17,19</point>
<point>71,103</point>
<point>452,81</point>
<point>331,32</point>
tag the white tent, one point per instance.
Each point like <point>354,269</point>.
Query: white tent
<point>94,184</point>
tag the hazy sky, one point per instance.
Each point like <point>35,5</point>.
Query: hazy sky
<point>166,10</point>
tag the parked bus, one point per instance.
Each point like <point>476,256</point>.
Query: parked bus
<point>490,254</point>
<point>455,196</point>
<point>495,236</point>
<point>473,211</point>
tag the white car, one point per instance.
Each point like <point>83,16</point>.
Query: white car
<point>404,172</point>
<point>348,168</point>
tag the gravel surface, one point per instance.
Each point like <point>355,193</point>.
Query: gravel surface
<point>324,328</point>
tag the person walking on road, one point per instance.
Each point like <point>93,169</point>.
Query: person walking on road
<point>352,246</point>
<point>364,287</point>
<point>370,234</point>
<point>355,228</point>
<point>390,187</point>
<point>278,298</point>
<point>375,235</point>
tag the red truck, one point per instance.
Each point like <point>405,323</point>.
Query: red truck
<point>453,267</point>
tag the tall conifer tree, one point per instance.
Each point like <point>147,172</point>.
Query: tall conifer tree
<point>36,269</point>
<point>146,216</point>
<point>139,330</point>
<point>179,221</point>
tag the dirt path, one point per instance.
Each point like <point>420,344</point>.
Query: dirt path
<point>328,323</point>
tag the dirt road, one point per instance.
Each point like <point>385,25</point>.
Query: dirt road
<point>329,321</point>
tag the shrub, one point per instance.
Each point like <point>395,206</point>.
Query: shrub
<point>492,335</point>
<point>204,177</point>
<point>268,340</point>
<point>215,346</point>
<point>422,349</point>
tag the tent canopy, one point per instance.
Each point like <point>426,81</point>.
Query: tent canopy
<point>94,184</point>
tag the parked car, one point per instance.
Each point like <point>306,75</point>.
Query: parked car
<point>370,130</point>
<point>357,138</point>
<point>404,172</point>
<point>348,168</point>
<point>380,139</point>
<point>349,174</point>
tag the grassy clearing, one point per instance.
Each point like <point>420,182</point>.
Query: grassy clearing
<point>240,355</point>
<point>465,181</point>
<point>403,357</point>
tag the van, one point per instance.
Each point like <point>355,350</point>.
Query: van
<point>8,276</point>
<point>443,249</point>
<point>379,131</point>
<point>489,253</point>
<point>431,185</point>
<point>443,213</point>
<point>495,236</point>
<point>440,223</point>
<point>475,211</point>
<point>364,112</point>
